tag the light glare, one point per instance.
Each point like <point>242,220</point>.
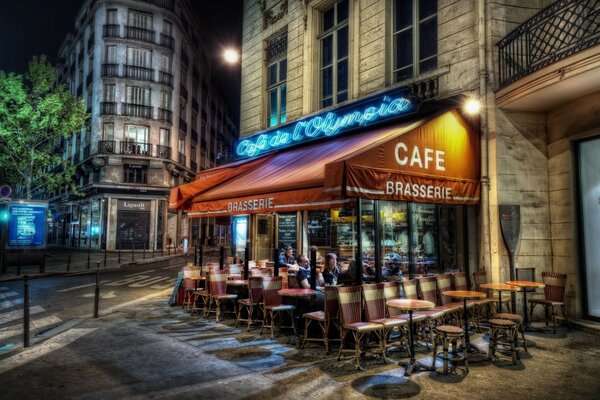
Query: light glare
<point>472,106</point>
<point>231,56</point>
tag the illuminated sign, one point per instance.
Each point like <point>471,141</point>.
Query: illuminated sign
<point>365,112</point>
<point>27,225</point>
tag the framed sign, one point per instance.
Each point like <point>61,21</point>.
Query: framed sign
<point>27,224</point>
<point>286,230</point>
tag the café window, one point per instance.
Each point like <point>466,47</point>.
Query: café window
<point>333,231</point>
<point>414,38</point>
<point>135,173</point>
<point>333,40</point>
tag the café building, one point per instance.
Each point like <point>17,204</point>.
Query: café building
<point>384,178</point>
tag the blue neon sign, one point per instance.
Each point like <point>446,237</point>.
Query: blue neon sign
<point>365,112</point>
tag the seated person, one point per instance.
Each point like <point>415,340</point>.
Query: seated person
<point>286,259</point>
<point>303,273</point>
<point>320,259</point>
<point>331,270</point>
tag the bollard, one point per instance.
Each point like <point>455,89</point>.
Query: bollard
<point>19,263</point>
<point>246,263</point>
<point>89,252</point>
<point>196,253</point>
<point>313,269</point>
<point>105,254</point>
<point>168,249</point>
<point>69,259</point>
<point>132,250</point>
<point>97,290</point>
<point>276,262</point>
<point>221,258</point>
<point>144,251</point>
<point>26,311</point>
<point>119,252</point>
<point>200,260</point>
<point>43,263</point>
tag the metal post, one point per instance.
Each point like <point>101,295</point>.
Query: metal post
<point>196,253</point>
<point>377,239</point>
<point>276,261</point>
<point>69,259</point>
<point>43,263</point>
<point>105,246</point>
<point>119,250</point>
<point>313,269</point>
<point>133,250</point>
<point>169,249</point>
<point>359,252</point>
<point>221,258</point>
<point>246,263</point>
<point>144,250</point>
<point>89,252</point>
<point>26,311</point>
<point>200,260</point>
<point>19,262</point>
<point>97,290</point>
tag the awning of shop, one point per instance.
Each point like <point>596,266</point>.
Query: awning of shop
<point>332,173</point>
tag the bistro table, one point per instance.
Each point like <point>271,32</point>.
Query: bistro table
<point>295,294</point>
<point>237,282</point>
<point>410,306</point>
<point>525,285</point>
<point>465,295</point>
<point>499,287</point>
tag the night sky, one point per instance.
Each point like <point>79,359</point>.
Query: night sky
<point>34,27</point>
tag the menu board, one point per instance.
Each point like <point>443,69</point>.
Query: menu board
<point>286,230</point>
<point>27,225</point>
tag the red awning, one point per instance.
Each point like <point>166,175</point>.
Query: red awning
<point>333,173</point>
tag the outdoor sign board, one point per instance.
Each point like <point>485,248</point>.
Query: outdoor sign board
<point>286,230</point>
<point>365,112</point>
<point>27,224</point>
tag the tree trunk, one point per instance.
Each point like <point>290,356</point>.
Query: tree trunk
<point>28,193</point>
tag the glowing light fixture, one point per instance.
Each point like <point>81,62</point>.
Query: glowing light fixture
<point>231,56</point>
<point>472,106</point>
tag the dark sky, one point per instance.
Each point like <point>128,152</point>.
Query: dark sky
<point>33,27</point>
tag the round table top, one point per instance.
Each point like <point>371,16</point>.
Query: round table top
<point>237,282</point>
<point>498,286</point>
<point>464,294</point>
<point>296,292</point>
<point>410,305</point>
<point>526,284</point>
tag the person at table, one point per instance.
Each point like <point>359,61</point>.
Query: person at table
<point>331,271</point>
<point>303,273</point>
<point>286,259</point>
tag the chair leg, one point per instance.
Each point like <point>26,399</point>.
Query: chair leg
<point>383,344</point>
<point>250,315</point>
<point>564,312</point>
<point>263,322</point>
<point>306,324</point>
<point>342,339</point>
<point>273,315</point>
<point>325,328</point>
<point>435,343</point>
<point>357,340</point>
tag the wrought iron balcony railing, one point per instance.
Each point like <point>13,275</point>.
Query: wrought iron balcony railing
<point>109,70</point>
<point>136,110</point>
<point>163,152</point>
<point>140,73</point>
<point>165,78</point>
<point>558,31</point>
<point>165,115</point>
<point>144,149</point>
<point>181,158</point>
<point>141,34</point>
<point>182,125</point>
<point>167,41</point>
<point>111,31</point>
<point>108,108</point>
<point>107,146</point>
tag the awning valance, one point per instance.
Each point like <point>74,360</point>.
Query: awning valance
<point>435,160</point>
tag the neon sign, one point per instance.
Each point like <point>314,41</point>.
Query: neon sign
<point>368,111</point>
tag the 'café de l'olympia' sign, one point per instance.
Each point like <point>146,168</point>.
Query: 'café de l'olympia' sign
<point>368,111</point>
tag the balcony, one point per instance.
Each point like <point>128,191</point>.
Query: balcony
<point>163,152</point>
<point>168,4</point>
<point>193,166</point>
<point>139,73</point>
<point>182,125</point>
<point>194,135</point>
<point>183,91</point>
<point>107,146</point>
<point>552,58</point>
<point>181,159</point>
<point>90,43</point>
<point>143,149</point>
<point>135,33</point>
<point>108,108</point>
<point>109,31</point>
<point>165,78</point>
<point>136,110</point>
<point>165,115</point>
<point>167,41</point>
<point>110,70</point>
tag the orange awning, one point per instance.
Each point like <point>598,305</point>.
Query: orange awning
<point>333,173</point>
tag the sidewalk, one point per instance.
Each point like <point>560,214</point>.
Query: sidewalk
<point>150,350</point>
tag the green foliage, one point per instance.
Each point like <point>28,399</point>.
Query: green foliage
<point>35,113</point>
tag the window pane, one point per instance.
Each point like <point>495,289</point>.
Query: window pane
<point>327,102</point>
<point>342,76</point>
<point>424,237</point>
<point>164,137</point>
<point>428,38</point>
<point>404,14</point>
<point>328,19</point>
<point>404,49</point>
<point>342,42</point>
<point>403,74</point>
<point>109,132</point>
<point>427,8</point>
<point>273,107</point>
<point>272,75</point>
<point>283,111</point>
<point>428,65</point>
<point>342,11</point>
<point>327,50</point>
<point>282,70</point>
<point>342,96</point>
<point>327,89</point>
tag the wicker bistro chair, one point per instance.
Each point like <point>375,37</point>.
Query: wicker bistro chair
<point>272,307</point>
<point>517,319</point>
<point>374,302</point>
<point>480,277</point>
<point>218,294</point>
<point>190,289</point>
<point>391,291</point>
<point>253,302</point>
<point>420,319</point>
<point>203,294</point>
<point>350,303</point>
<point>428,290</point>
<point>554,297</point>
<point>325,318</point>
<point>503,332</point>
<point>447,335</point>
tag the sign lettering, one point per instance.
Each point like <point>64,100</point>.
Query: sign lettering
<point>249,205</point>
<point>418,159</point>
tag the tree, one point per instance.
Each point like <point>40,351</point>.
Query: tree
<point>35,114</point>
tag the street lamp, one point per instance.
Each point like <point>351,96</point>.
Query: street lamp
<point>472,106</point>
<point>231,56</point>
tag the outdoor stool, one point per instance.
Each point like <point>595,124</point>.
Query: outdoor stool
<point>503,332</point>
<point>517,319</point>
<point>446,335</point>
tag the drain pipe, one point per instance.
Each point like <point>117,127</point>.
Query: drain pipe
<point>485,250</point>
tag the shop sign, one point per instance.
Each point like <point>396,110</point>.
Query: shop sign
<point>133,205</point>
<point>250,205</point>
<point>369,111</point>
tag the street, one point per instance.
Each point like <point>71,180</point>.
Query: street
<point>54,301</point>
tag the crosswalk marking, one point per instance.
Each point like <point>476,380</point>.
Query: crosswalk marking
<point>7,295</point>
<point>10,303</point>
<point>37,324</point>
<point>80,287</point>
<point>18,314</point>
